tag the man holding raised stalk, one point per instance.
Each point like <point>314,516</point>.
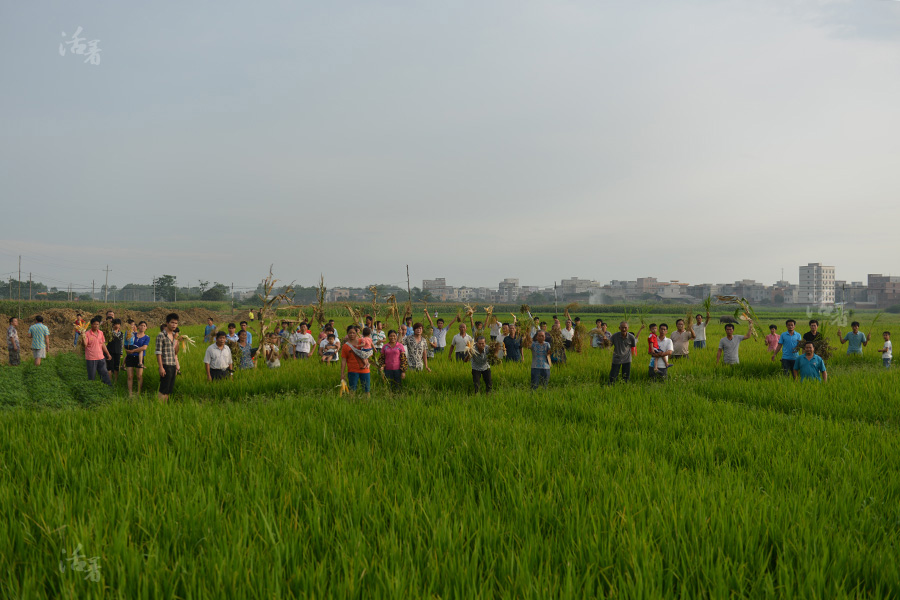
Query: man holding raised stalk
<point>699,329</point>
<point>855,339</point>
<point>809,365</point>
<point>731,344</point>
<point>439,332</point>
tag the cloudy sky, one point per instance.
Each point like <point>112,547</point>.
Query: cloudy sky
<point>698,140</point>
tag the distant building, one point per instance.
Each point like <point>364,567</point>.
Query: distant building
<point>884,290</point>
<point>508,290</point>
<point>337,294</point>
<point>816,284</point>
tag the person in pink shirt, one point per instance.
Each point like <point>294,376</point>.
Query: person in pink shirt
<point>772,338</point>
<point>95,352</point>
<point>392,361</point>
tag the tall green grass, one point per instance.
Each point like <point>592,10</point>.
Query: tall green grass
<point>720,482</point>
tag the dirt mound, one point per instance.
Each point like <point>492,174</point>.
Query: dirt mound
<point>60,322</point>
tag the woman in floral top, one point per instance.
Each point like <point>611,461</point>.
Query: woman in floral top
<point>246,351</point>
<point>417,349</point>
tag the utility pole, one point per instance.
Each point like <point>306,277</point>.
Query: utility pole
<point>92,289</point>
<point>154,288</point>
<point>29,287</point>
<point>232,298</point>
<point>20,286</point>
<point>555,299</point>
<point>106,286</point>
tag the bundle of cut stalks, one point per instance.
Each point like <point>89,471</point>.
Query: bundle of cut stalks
<point>319,308</point>
<point>744,312</point>
<point>345,389</point>
<point>494,353</point>
<point>557,343</point>
<point>489,318</point>
<point>374,290</point>
<point>186,341</point>
<point>354,314</point>
<point>407,311</point>
<point>236,351</point>
<point>393,310</point>
<point>469,310</point>
<point>579,337</point>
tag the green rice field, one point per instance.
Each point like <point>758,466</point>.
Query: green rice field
<point>720,482</point>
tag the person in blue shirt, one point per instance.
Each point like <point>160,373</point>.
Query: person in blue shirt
<point>788,344</point>
<point>209,332</point>
<point>810,365</point>
<point>856,339</point>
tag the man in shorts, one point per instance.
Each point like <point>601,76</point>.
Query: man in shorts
<point>40,339</point>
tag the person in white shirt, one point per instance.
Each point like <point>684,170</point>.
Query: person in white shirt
<point>568,333</point>
<point>459,343</point>
<point>699,329</point>
<point>218,358</point>
<point>439,332</point>
<point>660,368</point>
<point>302,341</point>
<point>886,352</point>
<point>496,326</point>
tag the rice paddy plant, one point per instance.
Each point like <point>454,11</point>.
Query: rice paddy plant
<point>734,481</point>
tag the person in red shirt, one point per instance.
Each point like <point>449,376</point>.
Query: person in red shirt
<point>354,370</point>
<point>95,352</point>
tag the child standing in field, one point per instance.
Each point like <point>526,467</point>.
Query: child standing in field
<point>481,367</point>
<point>887,350</point>
<point>540,361</point>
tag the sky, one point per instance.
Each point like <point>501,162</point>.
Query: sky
<point>691,140</point>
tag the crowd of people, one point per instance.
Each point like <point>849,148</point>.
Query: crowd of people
<point>367,345</point>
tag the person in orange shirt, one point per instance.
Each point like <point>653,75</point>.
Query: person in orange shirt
<point>354,370</point>
<point>79,327</point>
<point>95,352</point>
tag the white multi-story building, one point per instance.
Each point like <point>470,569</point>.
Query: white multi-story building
<point>816,284</point>
<point>509,290</point>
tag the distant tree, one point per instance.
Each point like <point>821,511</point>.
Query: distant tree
<point>165,287</point>
<point>217,293</point>
<point>895,309</point>
<point>779,298</point>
